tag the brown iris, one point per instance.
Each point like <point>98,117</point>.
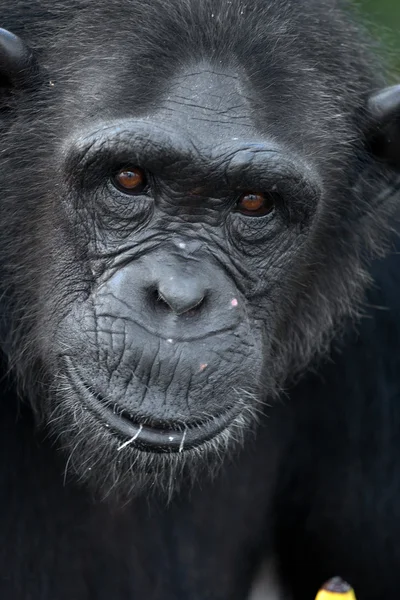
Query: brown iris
<point>255,205</point>
<point>131,180</point>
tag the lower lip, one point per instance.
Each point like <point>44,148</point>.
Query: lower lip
<point>150,439</point>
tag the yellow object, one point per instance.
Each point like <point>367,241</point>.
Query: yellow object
<point>327,595</point>
<point>336,589</point>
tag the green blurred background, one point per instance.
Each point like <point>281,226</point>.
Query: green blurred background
<point>383,18</point>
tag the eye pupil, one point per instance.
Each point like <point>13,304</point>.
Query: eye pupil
<point>130,180</point>
<point>255,204</point>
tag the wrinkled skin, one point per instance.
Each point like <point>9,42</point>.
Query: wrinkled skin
<point>183,288</point>
<point>161,297</point>
<point>151,330</point>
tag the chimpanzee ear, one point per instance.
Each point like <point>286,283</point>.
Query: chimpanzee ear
<point>384,131</point>
<point>17,63</point>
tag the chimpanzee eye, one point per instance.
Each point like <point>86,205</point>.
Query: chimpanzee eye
<point>131,180</point>
<point>255,205</point>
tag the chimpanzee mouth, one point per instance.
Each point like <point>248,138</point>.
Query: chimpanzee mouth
<point>150,435</point>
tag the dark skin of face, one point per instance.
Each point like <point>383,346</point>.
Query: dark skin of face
<point>187,228</point>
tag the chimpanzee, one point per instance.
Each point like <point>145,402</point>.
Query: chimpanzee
<point>200,300</point>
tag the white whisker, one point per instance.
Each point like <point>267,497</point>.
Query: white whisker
<point>183,441</point>
<point>128,442</point>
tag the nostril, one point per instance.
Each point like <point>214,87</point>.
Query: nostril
<point>194,307</point>
<point>160,300</point>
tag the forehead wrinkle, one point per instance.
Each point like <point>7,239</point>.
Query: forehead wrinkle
<point>209,91</point>
<point>209,105</point>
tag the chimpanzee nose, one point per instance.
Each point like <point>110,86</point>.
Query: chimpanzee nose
<point>181,294</point>
<point>174,298</point>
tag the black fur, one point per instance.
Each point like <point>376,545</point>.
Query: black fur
<point>315,486</point>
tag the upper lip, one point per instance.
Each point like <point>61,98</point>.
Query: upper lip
<point>151,435</point>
